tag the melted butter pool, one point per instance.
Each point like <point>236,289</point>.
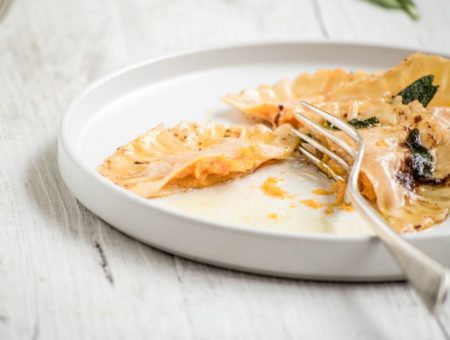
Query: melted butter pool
<point>242,202</point>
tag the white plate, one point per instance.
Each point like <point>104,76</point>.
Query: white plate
<point>219,229</point>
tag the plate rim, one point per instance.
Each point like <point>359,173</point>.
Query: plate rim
<point>71,152</point>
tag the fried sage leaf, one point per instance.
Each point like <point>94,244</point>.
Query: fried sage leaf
<point>365,123</point>
<point>421,161</point>
<point>357,123</point>
<point>422,90</point>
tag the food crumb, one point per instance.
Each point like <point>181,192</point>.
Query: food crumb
<point>329,210</point>
<point>382,143</point>
<point>315,204</point>
<point>273,216</point>
<point>322,192</point>
<point>346,207</point>
<point>270,188</point>
<point>339,189</point>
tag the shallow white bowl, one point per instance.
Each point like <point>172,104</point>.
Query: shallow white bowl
<point>116,109</point>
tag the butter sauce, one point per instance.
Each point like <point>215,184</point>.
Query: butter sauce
<point>242,202</point>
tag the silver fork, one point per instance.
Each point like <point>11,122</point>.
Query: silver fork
<point>428,277</point>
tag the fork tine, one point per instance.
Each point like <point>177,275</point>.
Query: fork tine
<point>325,132</point>
<point>321,165</point>
<point>353,170</point>
<point>348,129</point>
<point>322,148</point>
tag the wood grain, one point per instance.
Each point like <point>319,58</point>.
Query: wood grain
<point>65,274</point>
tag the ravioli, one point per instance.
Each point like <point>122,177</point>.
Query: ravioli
<point>342,87</point>
<point>397,78</point>
<point>267,102</point>
<point>164,160</point>
<point>386,176</point>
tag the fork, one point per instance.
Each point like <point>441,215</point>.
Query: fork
<point>429,278</point>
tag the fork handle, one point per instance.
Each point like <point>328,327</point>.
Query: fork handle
<point>429,278</point>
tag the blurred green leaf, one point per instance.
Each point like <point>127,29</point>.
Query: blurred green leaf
<point>387,3</point>
<point>407,6</point>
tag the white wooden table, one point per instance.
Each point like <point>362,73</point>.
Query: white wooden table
<point>64,274</point>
